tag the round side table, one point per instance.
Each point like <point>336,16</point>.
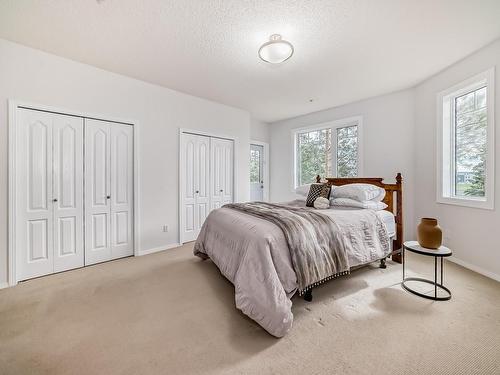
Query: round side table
<point>440,253</point>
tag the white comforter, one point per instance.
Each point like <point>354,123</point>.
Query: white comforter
<point>253,254</point>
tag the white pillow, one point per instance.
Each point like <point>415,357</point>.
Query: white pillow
<point>347,202</point>
<point>359,192</point>
<point>321,203</point>
<point>303,190</point>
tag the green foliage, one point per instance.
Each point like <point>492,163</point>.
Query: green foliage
<point>314,155</point>
<point>314,150</point>
<point>476,187</point>
<point>347,152</point>
<point>470,139</point>
<point>254,166</point>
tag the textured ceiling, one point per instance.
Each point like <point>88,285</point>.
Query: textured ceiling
<point>345,50</point>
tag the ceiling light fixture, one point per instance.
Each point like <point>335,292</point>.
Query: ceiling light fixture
<point>276,50</point>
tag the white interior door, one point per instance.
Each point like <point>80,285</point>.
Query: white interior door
<point>256,172</point>
<point>97,191</point>
<point>202,181</point>
<point>195,182</point>
<point>122,195</point>
<point>49,230</point>
<point>34,216</point>
<point>68,192</point>
<point>222,172</point>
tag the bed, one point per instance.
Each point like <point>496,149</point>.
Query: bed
<point>267,268</point>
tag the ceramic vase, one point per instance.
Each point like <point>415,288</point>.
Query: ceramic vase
<point>429,233</point>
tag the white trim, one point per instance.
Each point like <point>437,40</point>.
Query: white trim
<point>4,285</point>
<point>181,158</point>
<point>158,249</point>
<point>137,206</point>
<point>266,164</point>
<point>335,124</point>
<point>12,174</point>
<point>470,84</point>
<point>475,268</point>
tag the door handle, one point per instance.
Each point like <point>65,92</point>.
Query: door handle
<point>54,200</point>
<point>108,197</point>
<point>197,192</point>
<point>221,190</point>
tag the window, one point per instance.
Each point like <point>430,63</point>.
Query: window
<point>327,150</point>
<point>255,164</point>
<point>347,151</point>
<point>466,151</point>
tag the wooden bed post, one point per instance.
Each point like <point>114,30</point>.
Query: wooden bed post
<point>398,242</point>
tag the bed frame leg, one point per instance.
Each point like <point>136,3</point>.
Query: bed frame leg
<point>382,263</point>
<point>308,296</point>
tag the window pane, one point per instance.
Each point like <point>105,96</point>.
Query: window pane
<point>314,155</point>
<point>470,143</point>
<point>347,151</point>
<point>254,166</point>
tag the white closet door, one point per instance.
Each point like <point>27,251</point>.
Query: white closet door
<point>68,192</point>
<point>97,191</point>
<point>122,182</point>
<point>34,214</point>
<point>195,182</point>
<point>202,181</point>
<point>221,172</point>
<point>228,185</point>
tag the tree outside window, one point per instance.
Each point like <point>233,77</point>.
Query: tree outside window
<point>326,152</point>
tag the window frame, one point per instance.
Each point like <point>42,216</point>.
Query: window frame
<point>445,166</point>
<point>334,126</point>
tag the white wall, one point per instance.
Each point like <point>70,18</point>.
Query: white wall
<point>33,76</point>
<point>470,232</point>
<point>388,123</point>
<point>259,130</point>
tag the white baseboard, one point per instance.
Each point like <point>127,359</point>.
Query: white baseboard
<point>4,285</point>
<point>157,249</point>
<point>475,268</point>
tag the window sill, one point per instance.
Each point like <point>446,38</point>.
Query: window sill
<point>471,203</point>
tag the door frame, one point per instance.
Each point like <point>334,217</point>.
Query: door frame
<point>181,158</point>
<point>265,165</point>
<point>13,104</point>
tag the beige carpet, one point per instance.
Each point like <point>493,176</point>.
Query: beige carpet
<point>170,313</point>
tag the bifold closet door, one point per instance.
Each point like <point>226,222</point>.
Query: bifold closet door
<point>122,190</point>
<point>221,172</point>
<point>68,193</point>
<point>108,191</point>
<point>49,179</point>
<point>195,182</point>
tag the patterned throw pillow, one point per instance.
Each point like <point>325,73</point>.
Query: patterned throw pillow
<point>316,191</point>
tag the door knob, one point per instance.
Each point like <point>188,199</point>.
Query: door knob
<point>54,200</point>
<point>108,197</point>
<point>197,191</point>
<point>221,190</point>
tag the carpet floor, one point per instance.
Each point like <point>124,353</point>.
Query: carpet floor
<point>170,313</point>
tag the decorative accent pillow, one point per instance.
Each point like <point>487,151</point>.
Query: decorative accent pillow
<point>359,192</point>
<point>347,202</point>
<point>321,203</point>
<point>316,191</point>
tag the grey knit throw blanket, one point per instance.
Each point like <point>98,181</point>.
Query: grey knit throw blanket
<point>315,241</point>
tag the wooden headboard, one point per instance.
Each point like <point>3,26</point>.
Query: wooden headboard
<point>393,191</point>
